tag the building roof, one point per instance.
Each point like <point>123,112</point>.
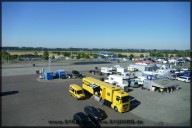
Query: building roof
<point>164,83</point>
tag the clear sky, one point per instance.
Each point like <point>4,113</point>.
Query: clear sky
<point>138,25</point>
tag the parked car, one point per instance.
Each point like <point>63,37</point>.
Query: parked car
<point>94,71</point>
<point>185,69</point>
<point>93,112</point>
<point>83,120</point>
<point>76,74</point>
<point>133,83</point>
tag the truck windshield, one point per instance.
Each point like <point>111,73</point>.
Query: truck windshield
<point>80,92</point>
<point>125,99</point>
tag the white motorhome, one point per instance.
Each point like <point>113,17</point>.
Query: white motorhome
<point>159,72</point>
<point>118,80</point>
<point>106,70</point>
<point>128,75</point>
<point>132,69</point>
<point>141,79</point>
<point>146,73</point>
<point>115,67</point>
<point>162,60</point>
<point>121,70</point>
<point>172,61</point>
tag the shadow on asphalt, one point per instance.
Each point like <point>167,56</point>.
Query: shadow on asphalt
<point>87,95</point>
<point>9,93</point>
<point>134,103</point>
<point>129,90</point>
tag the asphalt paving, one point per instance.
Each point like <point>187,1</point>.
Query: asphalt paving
<point>29,101</point>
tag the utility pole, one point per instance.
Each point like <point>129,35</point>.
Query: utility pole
<point>7,55</point>
<point>49,63</point>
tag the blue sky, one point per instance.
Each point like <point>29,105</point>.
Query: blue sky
<point>145,25</point>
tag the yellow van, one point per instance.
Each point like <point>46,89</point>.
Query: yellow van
<point>76,91</point>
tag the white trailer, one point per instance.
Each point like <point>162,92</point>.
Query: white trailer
<point>118,80</point>
<point>106,70</point>
<point>142,68</point>
<point>172,61</point>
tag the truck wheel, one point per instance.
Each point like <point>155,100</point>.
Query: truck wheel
<point>116,109</point>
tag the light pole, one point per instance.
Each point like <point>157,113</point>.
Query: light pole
<point>7,55</point>
<point>49,63</point>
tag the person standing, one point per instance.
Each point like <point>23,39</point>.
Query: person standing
<point>161,90</point>
<point>167,90</point>
<point>171,90</point>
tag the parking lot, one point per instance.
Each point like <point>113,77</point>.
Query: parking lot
<point>28,101</point>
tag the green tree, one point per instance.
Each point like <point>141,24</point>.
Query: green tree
<point>58,53</point>
<point>152,54</point>
<point>53,57</point>
<point>78,56</point>
<point>72,56</point>
<point>171,55</point>
<point>19,57</point>
<point>45,55</point>
<point>91,54</point>
<point>102,56</point>
<point>35,53</point>
<point>66,54</point>
<point>5,55</point>
<point>131,56</point>
<point>141,55</point>
<point>58,49</point>
<point>159,54</point>
<point>166,55</point>
<point>83,55</point>
<point>86,56</point>
<point>95,55</point>
<point>180,55</point>
<point>119,55</point>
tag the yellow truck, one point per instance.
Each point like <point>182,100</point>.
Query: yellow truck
<point>114,96</point>
<point>76,91</point>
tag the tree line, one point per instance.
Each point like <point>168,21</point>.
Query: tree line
<point>5,55</point>
<point>174,51</point>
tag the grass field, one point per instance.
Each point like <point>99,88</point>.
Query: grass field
<point>50,53</point>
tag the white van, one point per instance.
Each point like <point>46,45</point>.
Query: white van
<point>183,78</point>
<point>106,70</point>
